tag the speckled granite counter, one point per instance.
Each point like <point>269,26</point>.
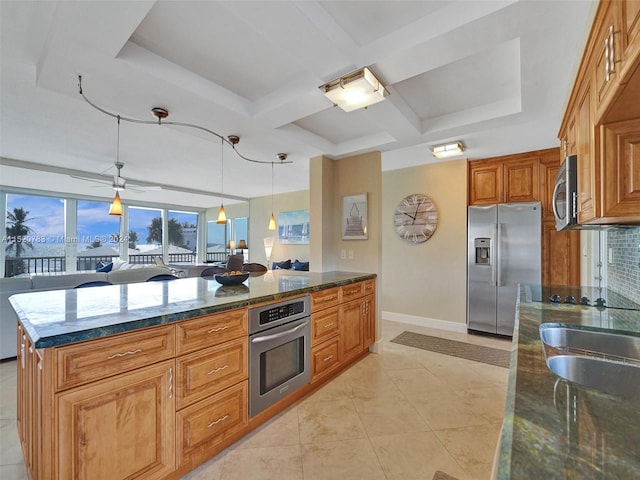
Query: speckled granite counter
<point>576,432</point>
<point>59,317</point>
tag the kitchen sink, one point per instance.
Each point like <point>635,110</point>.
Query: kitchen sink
<point>605,345</point>
<point>597,359</point>
<point>605,375</point>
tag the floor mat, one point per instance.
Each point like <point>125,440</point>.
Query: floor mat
<point>469,351</point>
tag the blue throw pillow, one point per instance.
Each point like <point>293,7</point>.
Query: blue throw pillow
<point>302,266</point>
<point>104,267</point>
<point>285,265</point>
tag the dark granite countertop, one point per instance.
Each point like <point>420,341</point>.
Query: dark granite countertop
<point>59,317</point>
<point>576,432</point>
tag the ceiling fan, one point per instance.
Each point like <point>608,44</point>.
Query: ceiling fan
<point>119,183</point>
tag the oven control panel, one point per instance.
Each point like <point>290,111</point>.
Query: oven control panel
<point>267,316</point>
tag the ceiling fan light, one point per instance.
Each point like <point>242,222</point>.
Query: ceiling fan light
<point>116,206</point>
<point>272,222</point>
<point>222,217</point>
<point>447,150</point>
<point>356,90</point>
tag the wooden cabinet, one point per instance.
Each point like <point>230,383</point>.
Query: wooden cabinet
<point>154,403</point>
<point>120,427</point>
<point>602,114</point>
<point>513,178</point>
<point>342,326</point>
<point>621,171</point>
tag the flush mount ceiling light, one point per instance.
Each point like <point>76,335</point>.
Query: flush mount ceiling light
<point>447,150</point>
<point>355,90</point>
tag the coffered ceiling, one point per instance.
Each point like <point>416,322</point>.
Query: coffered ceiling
<point>495,74</point>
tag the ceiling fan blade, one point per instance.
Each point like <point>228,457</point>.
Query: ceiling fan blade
<point>89,179</point>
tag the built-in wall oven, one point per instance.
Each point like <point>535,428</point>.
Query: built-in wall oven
<point>279,351</point>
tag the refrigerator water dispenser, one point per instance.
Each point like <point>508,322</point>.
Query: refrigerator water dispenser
<point>483,251</point>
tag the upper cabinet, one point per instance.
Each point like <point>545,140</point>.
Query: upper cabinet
<point>512,178</point>
<point>600,124</point>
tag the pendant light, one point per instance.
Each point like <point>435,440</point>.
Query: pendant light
<point>116,205</point>
<point>272,220</point>
<point>222,216</point>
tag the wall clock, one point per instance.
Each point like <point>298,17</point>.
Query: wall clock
<point>415,218</point>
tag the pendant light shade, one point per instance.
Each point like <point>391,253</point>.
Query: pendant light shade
<point>222,216</point>
<point>116,206</point>
<point>272,219</point>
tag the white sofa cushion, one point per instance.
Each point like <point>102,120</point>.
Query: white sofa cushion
<point>67,280</point>
<point>133,275</point>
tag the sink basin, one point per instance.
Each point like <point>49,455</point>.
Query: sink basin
<point>612,346</point>
<point>607,376</point>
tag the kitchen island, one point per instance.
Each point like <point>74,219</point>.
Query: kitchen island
<point>150,380</point>
<point>554,429</point>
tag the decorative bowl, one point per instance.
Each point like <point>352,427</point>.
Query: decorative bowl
<point>227,279</point>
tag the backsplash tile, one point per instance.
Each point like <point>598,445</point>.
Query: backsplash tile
<point>623,272</point>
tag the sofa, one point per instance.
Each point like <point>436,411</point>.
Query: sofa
<point>121,272</point>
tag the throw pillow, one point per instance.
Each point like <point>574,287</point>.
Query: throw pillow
<point>104,267</point>
<point>285,265</point>
<point>302,266</point>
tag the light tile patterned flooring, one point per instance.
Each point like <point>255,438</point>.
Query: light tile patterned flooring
<point>399,415</point>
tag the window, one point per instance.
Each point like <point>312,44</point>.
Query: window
<point>216,243</point>
<point>183,236</point>
<point>34,239</point>
<point>145,234</point>
<point>98,235</point>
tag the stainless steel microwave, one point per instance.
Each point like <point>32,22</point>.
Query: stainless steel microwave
<point>565,194</point>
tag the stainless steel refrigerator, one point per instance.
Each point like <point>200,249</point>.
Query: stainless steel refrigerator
<point>504,242</point>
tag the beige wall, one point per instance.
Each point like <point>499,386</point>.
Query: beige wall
<point>259,221</point>
<point>427,280</point>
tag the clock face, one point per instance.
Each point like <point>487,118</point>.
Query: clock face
<point>415,218</point>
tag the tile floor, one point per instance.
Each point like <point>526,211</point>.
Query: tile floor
<point>398,415</point>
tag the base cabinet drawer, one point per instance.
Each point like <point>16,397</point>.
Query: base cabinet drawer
<point>325,358</point>
<point>324,325</point>
<point>203,426</point>
<point>204,373</point>
<point>325,298</point>
<point>210,330</point>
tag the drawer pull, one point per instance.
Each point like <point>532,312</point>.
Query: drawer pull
<point>328,299</point>
<point>170,382</point>
<point>218,329</point>
<point>130,352</point>
<point>328,325</point>
<point>327,358</point>
<point>216,370</point>
<point>215,422</point>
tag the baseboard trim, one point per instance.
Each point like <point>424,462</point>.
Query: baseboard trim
<point>425,322</point>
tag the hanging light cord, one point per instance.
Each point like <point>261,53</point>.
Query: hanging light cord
<point>178,124</point>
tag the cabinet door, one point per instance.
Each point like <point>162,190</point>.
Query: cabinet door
<point>630,21</point>
<point>560,256</point>
<point>607,55</point>
<point>324,325</point>
<point>369,321</point>
<point>588,175</point>
<point>621,170</point>
<point>325,358</point>
<point>351,328</point>
<point>204,427</point>
<point>521,180</point>
<point>485,183</point>
<point>118,428</point>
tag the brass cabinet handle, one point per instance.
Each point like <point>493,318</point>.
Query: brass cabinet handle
<point>215,422</point>
<point>216,370</point>
<point>131,352</point>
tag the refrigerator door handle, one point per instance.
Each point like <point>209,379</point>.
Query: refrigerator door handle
<point>498,249</point>
<point>493,255</point>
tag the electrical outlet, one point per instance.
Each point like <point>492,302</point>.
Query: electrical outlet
<point>350,254</point>
<point>343,254</point>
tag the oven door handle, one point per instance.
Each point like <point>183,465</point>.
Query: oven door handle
<point>266,338</point>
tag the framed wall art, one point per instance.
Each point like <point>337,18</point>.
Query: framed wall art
<point>354,217</point>
<point>293,227</point>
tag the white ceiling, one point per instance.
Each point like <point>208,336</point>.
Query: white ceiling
<point>494,74</point>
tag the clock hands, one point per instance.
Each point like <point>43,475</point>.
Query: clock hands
<point>416,214</point>
<point>410,216</point>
